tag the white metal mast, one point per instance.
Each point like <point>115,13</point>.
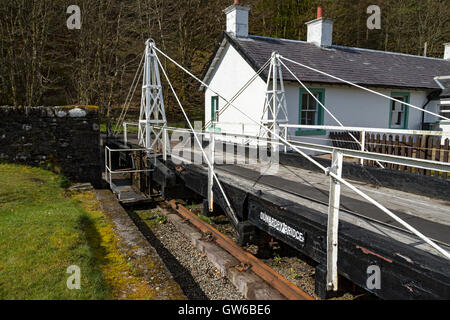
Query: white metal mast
<point>275,110</point>
<point>152,119</point>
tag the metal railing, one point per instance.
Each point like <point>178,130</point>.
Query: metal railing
<point>108,164</point>
<point>363,155</point>
<point>125,129</point>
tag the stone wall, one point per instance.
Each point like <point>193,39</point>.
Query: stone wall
<point>63,139</point>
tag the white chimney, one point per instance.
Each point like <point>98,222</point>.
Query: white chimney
<point>237,19</point>
<point>320,30</point>
<point>447,51</point>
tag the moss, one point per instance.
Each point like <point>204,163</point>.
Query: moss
<point>73,106</point>
<point>117,271</point>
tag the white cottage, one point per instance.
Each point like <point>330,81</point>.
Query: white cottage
<point>406,77</point>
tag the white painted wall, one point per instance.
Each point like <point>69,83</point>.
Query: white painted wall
<point>352,106</point>
<point>232,73</point>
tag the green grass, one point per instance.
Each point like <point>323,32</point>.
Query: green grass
<point>42,232</point>
<point>130,128</point>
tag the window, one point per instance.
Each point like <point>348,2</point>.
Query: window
<point>214,108</point>
<point>398,117</point>
<point>310,112</point>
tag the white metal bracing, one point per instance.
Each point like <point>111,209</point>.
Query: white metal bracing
<point>209,162</point>
<point>239,92</point>
<point>152,114</point>
<point>275,108</point>
<point>129,97</point>
<point>153,129</point>
<point>324,169</point>
<point>363,88</point>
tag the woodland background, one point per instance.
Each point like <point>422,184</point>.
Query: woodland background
<point>44,63</point>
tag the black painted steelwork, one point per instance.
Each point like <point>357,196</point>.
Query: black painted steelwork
<point>406,272</point>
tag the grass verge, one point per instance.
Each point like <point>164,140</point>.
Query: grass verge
<point>44,229</point>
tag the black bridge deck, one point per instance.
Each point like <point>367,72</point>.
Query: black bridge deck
<point>292,205</point>
<point>430,216</point>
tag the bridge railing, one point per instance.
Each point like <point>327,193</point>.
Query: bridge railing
<point>363,154</point>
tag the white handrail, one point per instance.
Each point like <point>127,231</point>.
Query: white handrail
<point>390,158</point>
<point>345,128</point>
<point>367,129</point>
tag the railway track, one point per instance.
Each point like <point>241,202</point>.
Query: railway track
<point>274,279</point>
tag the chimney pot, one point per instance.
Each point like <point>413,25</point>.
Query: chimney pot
<point>319,12</point>
<point>320,30</point>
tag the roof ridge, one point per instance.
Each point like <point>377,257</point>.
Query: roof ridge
<point>388,52</point>
<point>353,48</point>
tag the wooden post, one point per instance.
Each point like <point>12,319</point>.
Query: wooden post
<point>363,145</point>
<point>403,151</point>
<point>437,154</point>
<point>422,147</point>
<point>429,153</point>
<point>445,175</point>
<point>383,147</point>
<point>391,142</point>
<point>409,151</point>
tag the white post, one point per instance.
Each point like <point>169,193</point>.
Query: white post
<point>210,172</point>
<point>106,163</point>
<point>363,145</point>
<point>110,168</point>
<point>333,222</point>
<point>125,133</point>
<point>164,132</point>
<point>286,137</point>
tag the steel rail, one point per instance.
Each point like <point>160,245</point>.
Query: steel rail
<point>277,281</point>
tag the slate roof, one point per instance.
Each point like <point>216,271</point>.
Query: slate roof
<point>361,66</point>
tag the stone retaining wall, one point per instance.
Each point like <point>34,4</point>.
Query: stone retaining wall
<point>63,139</point>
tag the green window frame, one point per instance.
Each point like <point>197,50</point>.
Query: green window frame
<point>214,106</point>
<point>320,113</point>
<point>406,96</point>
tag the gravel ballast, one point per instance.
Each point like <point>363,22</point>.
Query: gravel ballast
<point>198,278</point>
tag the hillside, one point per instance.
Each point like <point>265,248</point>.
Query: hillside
<point>44,63</point>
